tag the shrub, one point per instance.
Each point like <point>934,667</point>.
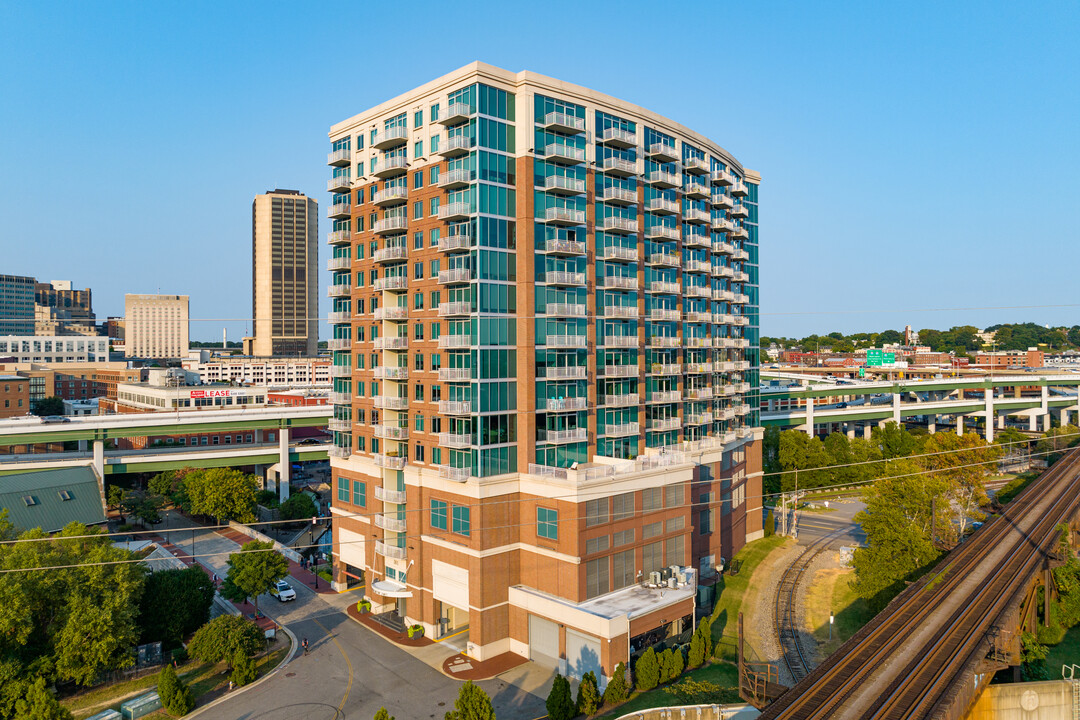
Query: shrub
<point>705,626</point>
<point>382,714</point>
<point>224,637</point>
<point>647,671</point>
<point>560,705</point>
<point>588,694</point>
<point>243,669</point>
<point>472,704</point>
<point>363,606</point>
<point>616,690</point>
<point>697,650</point>
<point>676,663</point>
<point>416,631</point>
<point>298,507</point>
<point>702,692</point>
<point>168,685</point>
<point>770,524</point>
<point>268,499</point>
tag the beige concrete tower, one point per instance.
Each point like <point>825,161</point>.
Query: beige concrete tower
<point>156,325</point>
<point>284,273</point>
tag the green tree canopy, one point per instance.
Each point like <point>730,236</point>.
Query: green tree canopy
<point>175,603</point>
<point>223,493</point>
<point>560,704</point>
<point>51,405</point>
<point>255,568</point>
<point>223,637</point>
<point>298,507</point>
<point>472,704</point>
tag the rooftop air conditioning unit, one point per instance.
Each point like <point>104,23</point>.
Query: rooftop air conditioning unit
<point>654,578</point>
<point>673,582</point>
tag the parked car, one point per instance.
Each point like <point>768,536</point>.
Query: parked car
<point>283,591</point>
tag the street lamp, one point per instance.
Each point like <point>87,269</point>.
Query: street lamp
<point>311,536</point>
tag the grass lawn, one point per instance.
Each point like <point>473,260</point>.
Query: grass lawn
<point>831,590</point>
<point>724,674</point>
<point>732,588</point>
<point>1066,652</point>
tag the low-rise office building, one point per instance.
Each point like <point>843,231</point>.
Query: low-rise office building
<point>14,395</point>
<point>278,372</point>
<point>55,349</point>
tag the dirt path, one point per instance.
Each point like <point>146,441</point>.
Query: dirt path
<point>759,606</point>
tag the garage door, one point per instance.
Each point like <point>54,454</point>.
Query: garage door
<point>450,584</point>
<point>543,642</point>
<point>351,548</point>
<point>582,654</point>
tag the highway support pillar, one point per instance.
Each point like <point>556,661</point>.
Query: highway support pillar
<point>1063,418</point>
<point>1033,422</point>
<point>1001,421</point>
<point>285,464</point>
<point>82,446</point>
<point>99,459</point>
<point>896,407</point>
<point>959,424</point>
<point>850,428</point>
<point>808,428</point>
<point>989,413</point>
<point>867,430</point>
<point>931,424</point>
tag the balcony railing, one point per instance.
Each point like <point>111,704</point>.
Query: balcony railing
<point>450,309</point>
<point>565,341</point>
<point>340,398</point>
<point>559,277</point>
<point>699,419</point>
<point>337,237</point>
<point>389,551</point>
<point>698,368</point>
<point>739,211</point>
<point>619,224</point>
<point>564,153</point>
<point>664,396</point>
<point>663,206</point>
<point>722,271</point>
<point>624,400</point>
<point>339,210</point>
<point>455,211</point>
<point>392,432</point>
<point>622,429</point>
<point>615,252</point>
<point>390,166</point>
<point>455,440</point>
<point>391,372</point>
<point>659,178</point>
<point>341,183</point>
<point>390,137</point>
<point>338,316</point>
<point>697,266</point>
<point>395,224</point>
<point>392,343</point>
<point>456,242</point>
<point>697,190</point>
<point>738,188</point>
<point>619,370</point>
<point>455,276</point>
<point>456,113</point>
<point>665,287</point>
<point>663,152</point>
<point>382,494</point>
<point>617,137</point>
<point>565,404</point>
<point>389,523</point>
<point>695,215</point>
<point>700,291</point>
<point>673,423</point>
<point>338,451</point>
<point>564,122</point>
<point>626,312</point>
<point>723,248</point>
<point>339,263</point>
<point>389,254</point>
<point>663,232</point>
<point>564,247</point>
<point>564,436</point>
<point>664,314</point>
<point>336,291</point>
<point>455,178</point>
<point>722,201</point>
<point>665,368</point>
<point>562,185</point>
<point>699,393</point>
<point>452,473</point>
<point>455,341</point>
<point>390,196</point>
<point>390,402</point>
<point>339,425</point>
<point>339,157</point>
<point>619,196</point>
<point>620,282</point>
<point>456,145</point>
<point>619,166</point>
<point>722,178</point>
<point>392,312</point>
<point>564,216</point>
<point>696,165</point>
<point>621,341</point>
<point>455,374</point>
<point>338,344</point>
<point>565,373</point>
<point>565,309</point>
<point>340,371</point>
<point>455,407</point>
<point>664,341</point>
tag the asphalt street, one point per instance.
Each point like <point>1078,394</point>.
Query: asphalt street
<point>814,524</point>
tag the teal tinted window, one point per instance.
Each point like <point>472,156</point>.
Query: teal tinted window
<point>359,493</point>
<point>438,514</point>
<point>460,520</point>
<point>343,489</point>
<point>547,523</point>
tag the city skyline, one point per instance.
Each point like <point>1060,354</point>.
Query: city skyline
<point>831,104</point>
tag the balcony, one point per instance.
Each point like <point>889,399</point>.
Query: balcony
<point>564,123</point>
<point>576,372</point>
<point>564,404</point>
<point>724,295</point>
<point>741,299</point>
<point>393,283</point>
<point>392,432</point>
<point>339,452</point>
<point>563,436</point>
<point>619,225</point>
<point>739,211</point>
<point>397,497</point>
<point>339,263</point>
<point>388,225</point>
<point>339,158</point>
<point>338,425</point>
<point>390,137</point>
<point>455,474</point>
<point>699,419</point>
<point>456,145</point>
<point>740,276</point>
<point>621,341</point>
<point>459,242</point>
<point>340,398</point>
<point>623,312</point>
<point>559,277</point>
<point>622,430</point>
<point>619,196</point>
<point>741,320</point>
<point>615,252</point>
<point>697,342</point>
<point>455,440</point>
<point>665,369</point>
<point>723,318</point>
<point>389,523</point>
<point>696,216</point>
<point>448,342</point>
<point>564,154</point>
<point>392,312</point>
<point>452,309</point>
<point>673,423</point>
<point>455,211</point>
<point>565,342</point>
<point>613,371</point>
<point>390,372</point>
<point>564,310</point>
<point>721,224</point>
<point>697,190</point>
<point>742,365</point>
<point>662,232</point>
<point>562,185</point>
<point>339,184</point>
<point>339,316</point>
<point>722,178</point>
<point>455,407</point>
<point>455,276</point>
<point>697,266</point>
<point>661,179</point>
<point>664,341</point>
<point>564,216</point>
<point>339,210</point>
<point>339,237</point>
<point>389,402</point>
<point>663,206</point>
<point>390,196</point>
<point>724,366</point>
<point>393,253</point>
<point>698,291</point>
<point>721,201</point>
<point>619,167</point>
<point>564,247</point>
<point>664,396</point>
<point>456,113</point>
<point>663,287</point>
<point>697,238</point>
<point>391,167</point>
<point>389,551</point>
<point>662,152</point>
<point>618,282</point>
<point>738,189</point>
<point>340,371</point>
<point>741,254</point>
<point>624,400</point>
<point>455,374</point>
<point>456,178</point>
<point>723,248</point>
<point>338,291</point>
<point>704,393</point>
<point>392,343</point>
<point>696,166</point>
<point>618,137</point>
<point>664,259</point>
<point>725,414</point>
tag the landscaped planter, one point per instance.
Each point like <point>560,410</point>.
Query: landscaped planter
<point>416,631</point>
<point>363,606</point>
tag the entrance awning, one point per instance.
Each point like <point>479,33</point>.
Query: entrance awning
<point>389,588</point>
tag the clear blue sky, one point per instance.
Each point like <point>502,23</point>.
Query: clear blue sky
<point>915,155</point>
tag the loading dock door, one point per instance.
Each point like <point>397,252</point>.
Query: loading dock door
<point>543,642</point>
<point>582,654</point>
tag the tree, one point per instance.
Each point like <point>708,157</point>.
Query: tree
<point>243,669</point>
<point>616,690</point>
<point>963,462</point>
<point>163,484</point>
<point>224,493</point>
<point>51,405</point>
<point>647,671</point>
<point>254,569</point>
<point>799,451</point>
<point>382,714</point>
<point>174,604</point>
<point>893,441</point>
<point>1057,439</point>
<point>175,696</point>
<point>697,650</point>
<point>223,637</point>
<point>115,499</point>
<point>705,628</point>
<point>472,704</point>
<point>40,704</point>
<point>676,664</point>
<point>559,704</point>
<point>299,506</point>
<point>588,694</point>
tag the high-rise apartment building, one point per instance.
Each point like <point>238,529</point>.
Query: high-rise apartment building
<point>156,326</point>
<point>545,365</point>
<point>285,274</point>
<point>17,305</point>
<point>61,310</point>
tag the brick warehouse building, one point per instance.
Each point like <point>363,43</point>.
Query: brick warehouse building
<point>545,365</point>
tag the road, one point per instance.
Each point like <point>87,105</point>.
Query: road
<point>814,524</point>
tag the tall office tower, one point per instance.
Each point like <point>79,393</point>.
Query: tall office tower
<point>285,273</point>
<point>16,305</point>
<point>61,310</point>
<point>156,326</point>
<point>545,365</point>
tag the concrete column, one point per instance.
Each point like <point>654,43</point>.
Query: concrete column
<point>850,428</point>
<point>99,459</point>
<point>959,424</point>
<point>896,407</point>
<point>867,429</point>
<point>808,428</point>
<point>82,446</point>
<point>1063,417</point>
<point>881,424</point>
<point>1033,420</point>
<point>1001,421</point>
<point>931,424</point>
<point>989,394</point>
<point>286,466</point>
<point>1045,398</point>
<point>772,405</point>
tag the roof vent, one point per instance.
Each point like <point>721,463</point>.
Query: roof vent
<point>66,495</point>
<point>30,500</point>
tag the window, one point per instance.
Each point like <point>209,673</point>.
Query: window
<point>438,514</point>
<point>652,557</point>
<point>433,175</point>
<point>418,331</point>
<point>626,537</point>
<point>460,520</point>
<point>418,240</point>
<point>673,551</point>
<point>652,499</point>
<point>434,114</point>
<point>359,493</point>
<point>418,210</point>
<point>434,241</point>
<point>705,523</point>
<point>418,271</point>
<point>419,393</point>
<point>624,506</point>
<point>419,453</point>
<point>596,512</point>
<point>434,206</point>
<point>624,573</point>
<point>418,119</point>
<point>434,143</point>
<point>652,530</point>
<point>418,301</point>
<point>418,180</point>
<point>418,364</point>
<point>435,299</point>
<point>673,496</point>
<point>547,523</point>
<point>676,524</point>
<point>596,577</point>
<point>436,421</point>
<point>598,544</point>
<point>343,489</point>
<point>418,149</point>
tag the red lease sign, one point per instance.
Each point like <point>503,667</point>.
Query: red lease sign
<point>209,393</point>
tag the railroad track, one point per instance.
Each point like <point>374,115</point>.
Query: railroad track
<point>796,659</point>
<point>910,660</point>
